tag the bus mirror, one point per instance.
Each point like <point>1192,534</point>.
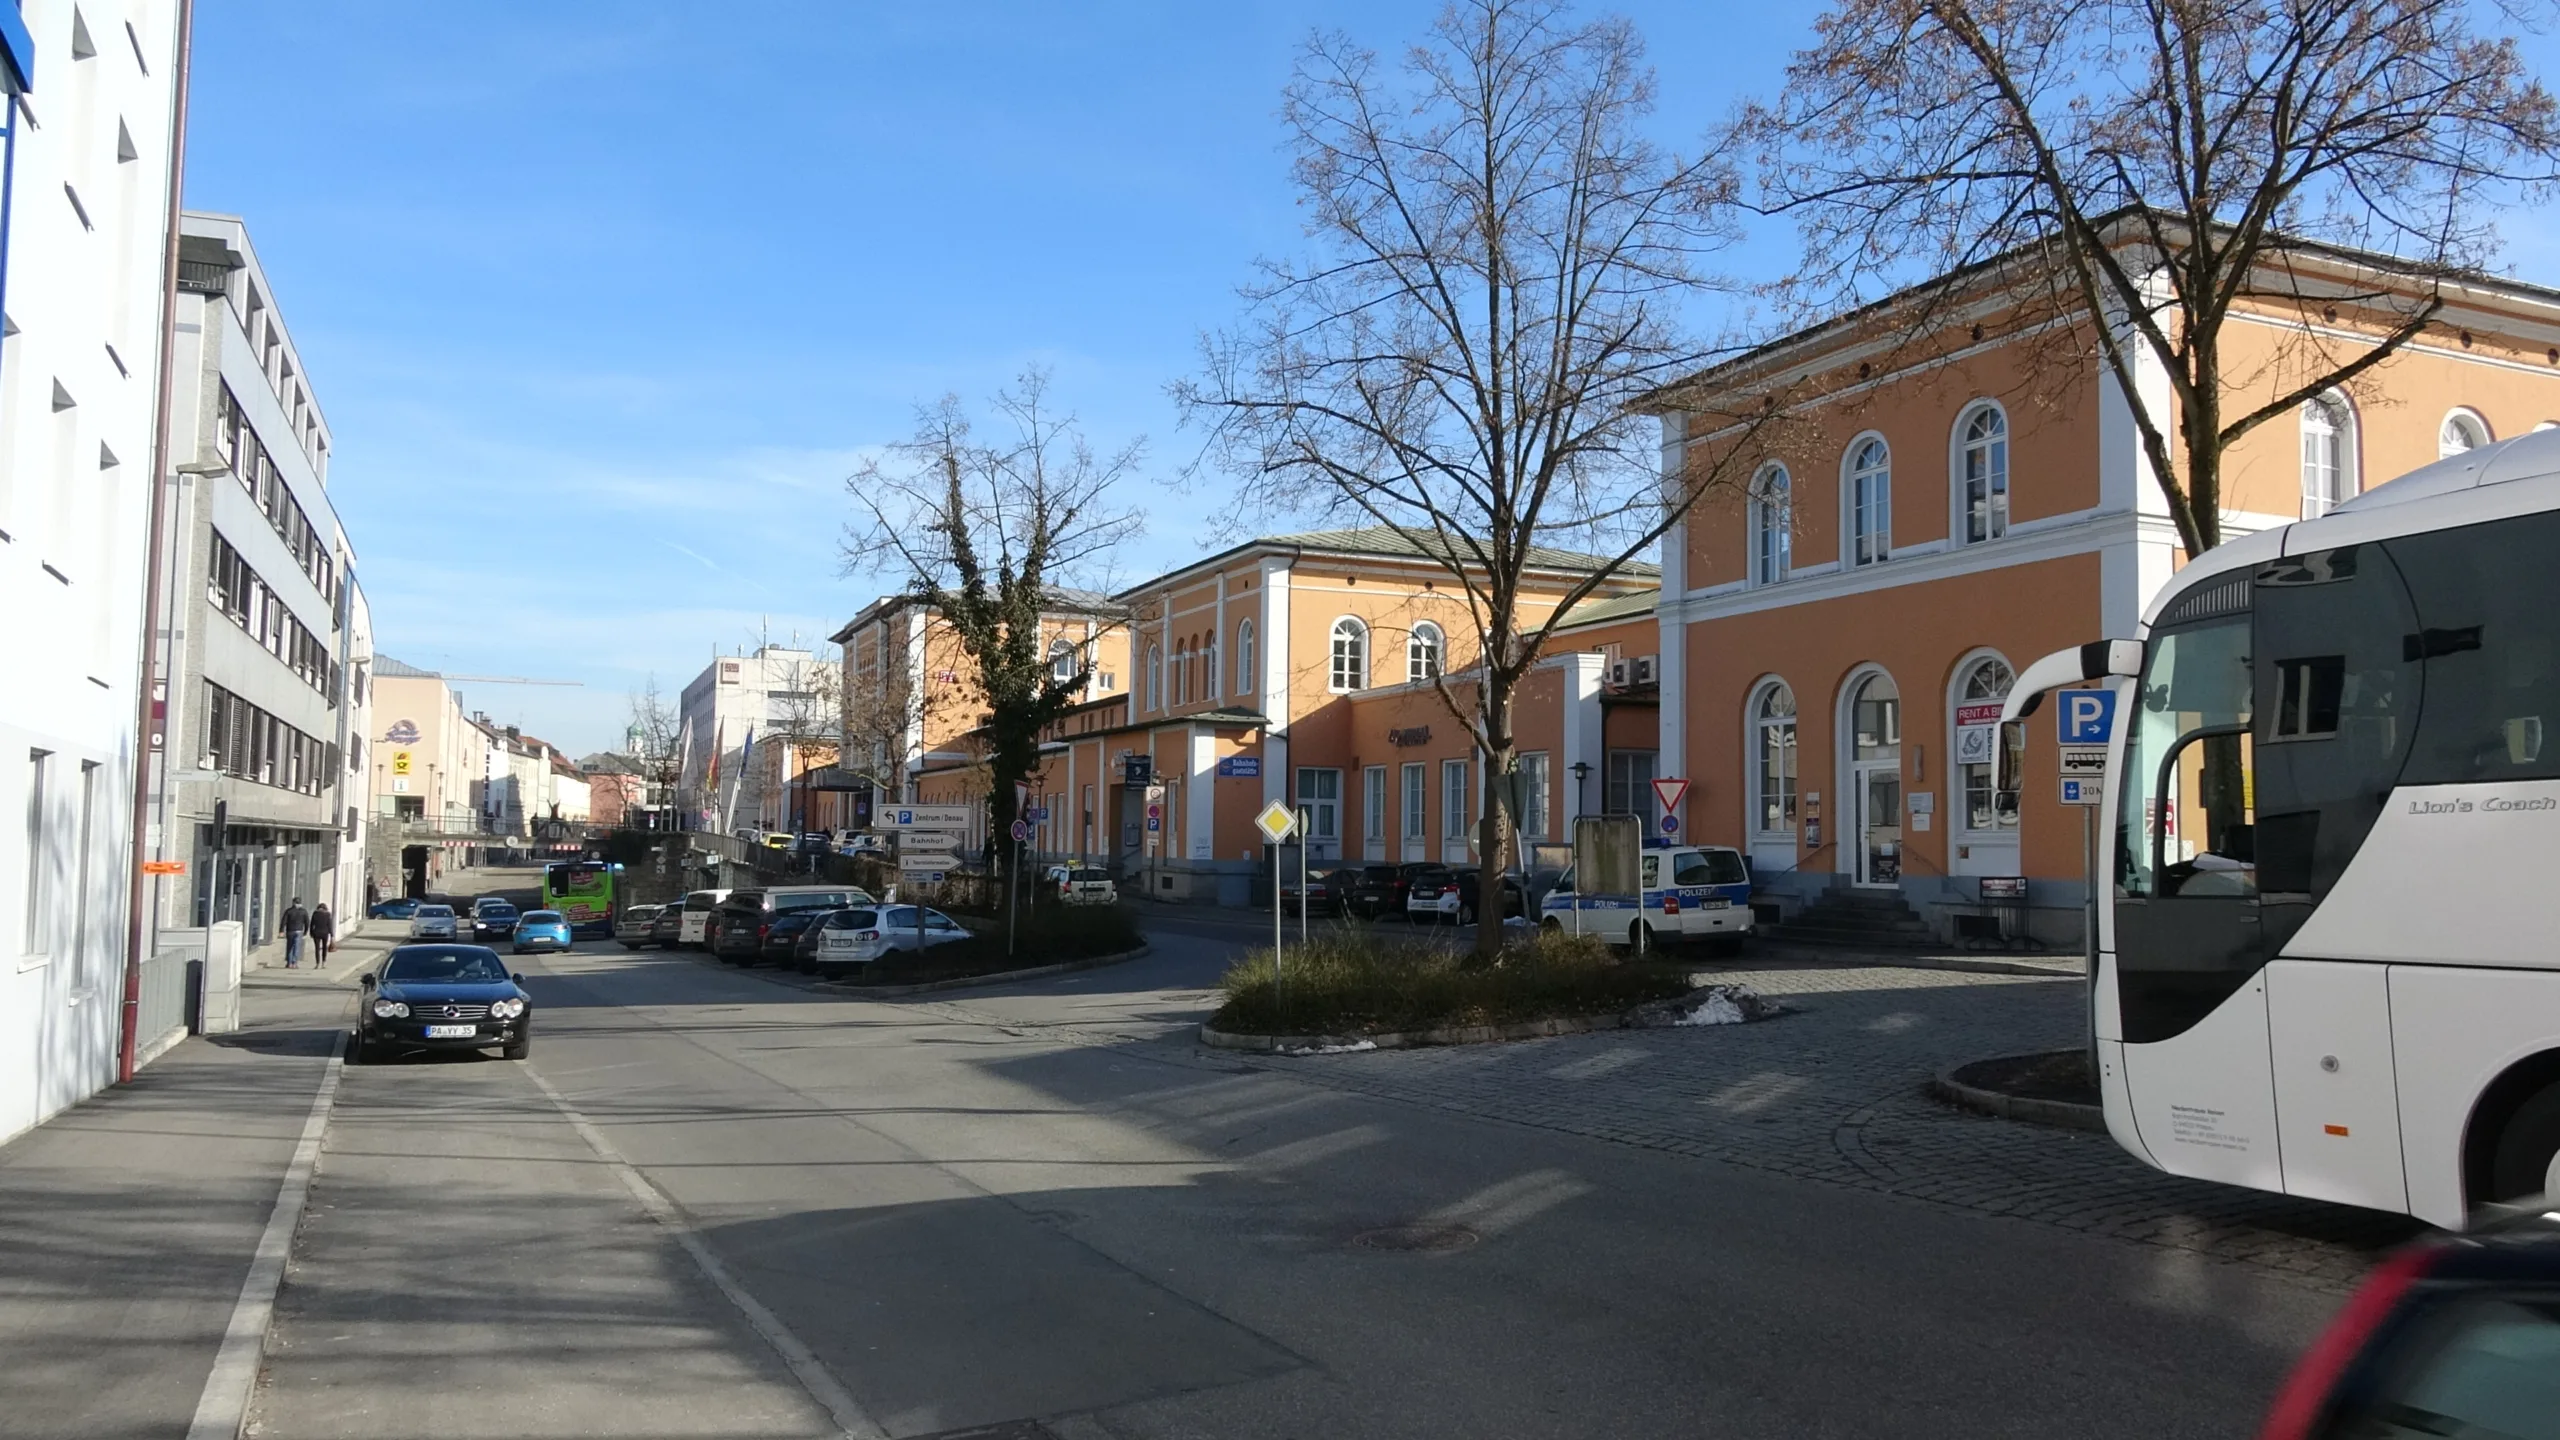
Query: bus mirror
<point>2005,768</point>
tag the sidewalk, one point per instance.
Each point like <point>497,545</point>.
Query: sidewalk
<point>131,1218</point>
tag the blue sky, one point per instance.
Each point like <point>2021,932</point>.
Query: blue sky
<point>604,300</point>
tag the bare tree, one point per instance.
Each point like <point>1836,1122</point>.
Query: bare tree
<point>805,715</point>
<point>2158,168</point>
<point>1502,262</point>
<point>654,734</point>
<point>987,534</point>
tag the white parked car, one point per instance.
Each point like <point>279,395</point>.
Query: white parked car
<point>697,916</point>
<point>432,922</point>
<point>849,938</point>
<point>1085,885</point>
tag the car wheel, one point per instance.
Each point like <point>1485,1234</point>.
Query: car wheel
<point>1644,937</point>
<point>2527,1160</point>
<point>521,1047</point>
<point>630,944</point>
<point>1552,926</point>
<point>1466,914</point>
<point>358,1053</point>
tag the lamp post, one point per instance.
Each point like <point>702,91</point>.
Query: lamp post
<point>1581,801</point>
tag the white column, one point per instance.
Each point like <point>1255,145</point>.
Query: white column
<point>1273,643</point>
<point>1199,822</point>
<point>1583,672</point>
<point>1670,662</point>
<point>1218,647</point>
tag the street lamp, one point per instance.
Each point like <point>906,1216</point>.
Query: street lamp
<point>1581,772</point>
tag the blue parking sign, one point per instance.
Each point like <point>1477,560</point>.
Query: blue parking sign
<point>2085,717</point>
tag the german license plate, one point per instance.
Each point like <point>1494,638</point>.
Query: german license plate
<point>1712,904</point>
<point>452,1032</point>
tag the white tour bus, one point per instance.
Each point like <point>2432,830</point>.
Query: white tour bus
<point>2329,964</point>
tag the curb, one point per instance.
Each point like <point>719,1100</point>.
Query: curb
<point>2069,1115</point>
<point>971,982</point>
<point>1411,1039</point>
<point>1896,960</point>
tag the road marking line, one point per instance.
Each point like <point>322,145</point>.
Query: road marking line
<point>223,1406</point>
<point>804,1363</point>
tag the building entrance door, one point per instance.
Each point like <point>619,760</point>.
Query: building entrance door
<point>1875,782</point>
<point>1133,823</point>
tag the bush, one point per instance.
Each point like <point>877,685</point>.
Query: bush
<point>1350,982</point>
<point>1049,935</point>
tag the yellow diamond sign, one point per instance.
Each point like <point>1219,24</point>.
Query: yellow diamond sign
<point>1276,822</point>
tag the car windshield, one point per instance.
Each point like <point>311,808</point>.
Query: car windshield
<point>827,901</point>
<point>464,966</point>
<point>542,917</point>
<point>702,899</point>
<point>496,907</point>
<point>1379,872</point>
<point>853,920</point>
<point>435,912</point>
<point>1090,875</point>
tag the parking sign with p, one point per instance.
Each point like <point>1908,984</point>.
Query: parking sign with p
<point>2086,717</point>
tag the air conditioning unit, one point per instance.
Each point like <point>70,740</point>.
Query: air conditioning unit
<point>1618,672</point>
<point>1647,669</point>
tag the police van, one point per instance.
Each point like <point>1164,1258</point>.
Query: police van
<point>1691,892</point>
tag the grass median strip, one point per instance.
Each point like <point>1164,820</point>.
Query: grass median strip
<point>1348,982</point>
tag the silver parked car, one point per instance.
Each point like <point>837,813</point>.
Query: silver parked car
<point>432,922</point>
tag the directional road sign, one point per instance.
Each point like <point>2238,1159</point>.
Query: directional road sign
<point>929,817</point>
<point>1276,822</point>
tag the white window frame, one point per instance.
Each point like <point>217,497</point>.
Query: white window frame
<point>1324,818</point>
<point>1961,776</point>
<point>1373,812</point>
<point>1211,672</point>
<point>1347,655</point>
<point>1866,503</point>
<point>1535,811</point>
<point>1062,660</point>
<point>2473,429</point>
<point>1756,793</point>
<point>43,873</point>
<point>1773,518</point>
<point>1245,686</point>
<point>1155,677</point>
<point>1426,650</point>
<point>1454,811</point>
<point>1995,452</point>
<point>1416,809</point>
<point>2330,473</point>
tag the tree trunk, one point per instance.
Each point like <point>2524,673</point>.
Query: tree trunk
<point>1493,828</point>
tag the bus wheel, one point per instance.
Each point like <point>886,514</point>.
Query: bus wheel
<point>2527,1160</point>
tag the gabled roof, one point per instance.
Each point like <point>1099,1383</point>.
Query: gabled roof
<point>1059,599</point>
<point>1603,609</point>
<point>384,667</point>
<point>1395,542</point>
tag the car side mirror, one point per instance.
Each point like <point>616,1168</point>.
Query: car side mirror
<point>364,982</point>
<point>518,977</point>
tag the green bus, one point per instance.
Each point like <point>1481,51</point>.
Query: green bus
<point>582,891</point>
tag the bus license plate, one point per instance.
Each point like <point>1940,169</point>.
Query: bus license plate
<point>452,1032</point>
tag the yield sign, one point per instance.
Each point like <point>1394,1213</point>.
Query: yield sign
<point>1670,792</point>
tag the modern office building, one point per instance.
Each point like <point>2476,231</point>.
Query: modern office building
<point>769,697</point>
<point>265,785</point>
<point>92,93</point>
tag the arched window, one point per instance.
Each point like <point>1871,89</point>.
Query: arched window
<point>1155,677</point>
<point>1350,655</point>
<point>2328,455</point>
<point>1209,668</point>
<point>1982,474</point>
<point>1422,652</point>
<point>1870,502</point>
<point>1182,674</point>
<point>2462,430</point>
<point>1979,740</point>
<point>1062,662</point>
<point>1772,525</point>
<point>1244,661</point>
<point>1773,760</point>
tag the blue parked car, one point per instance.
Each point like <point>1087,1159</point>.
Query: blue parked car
<point>542,930</point>
<point>402,909</point>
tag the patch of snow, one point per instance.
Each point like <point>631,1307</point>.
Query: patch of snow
<point>1353,1048</point>
<point>1717,1009</point>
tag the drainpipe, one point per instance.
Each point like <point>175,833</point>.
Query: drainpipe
<point>150,704</point>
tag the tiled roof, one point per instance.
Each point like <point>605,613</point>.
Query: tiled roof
<point>384,665</point>
<point>1406,542</point>
<point>1613,607</point>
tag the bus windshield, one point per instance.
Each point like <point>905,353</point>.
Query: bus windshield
<point>2185,826</point>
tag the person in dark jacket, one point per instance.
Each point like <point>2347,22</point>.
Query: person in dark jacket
<point>324,929</point>
<point>296,921</point>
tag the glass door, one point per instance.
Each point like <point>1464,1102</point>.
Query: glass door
<point>1875,781</point>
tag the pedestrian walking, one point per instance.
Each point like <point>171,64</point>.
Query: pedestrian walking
<point>296,922</point>
<point>324,929</point>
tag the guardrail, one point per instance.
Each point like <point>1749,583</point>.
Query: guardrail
<point>164,993</point>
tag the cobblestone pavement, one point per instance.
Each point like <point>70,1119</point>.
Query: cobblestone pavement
<point>1834,1091</point>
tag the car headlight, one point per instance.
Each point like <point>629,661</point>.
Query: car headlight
<point>390,1010</point>
<point>507,1009</point>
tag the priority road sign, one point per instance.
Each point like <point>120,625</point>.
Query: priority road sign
<point>2084,717</point>
<point>1276,822</point>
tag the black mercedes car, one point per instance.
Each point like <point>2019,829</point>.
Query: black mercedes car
<point>442,997</point>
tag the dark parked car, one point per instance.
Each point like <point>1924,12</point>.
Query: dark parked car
<point>400,909</point>
<point>782,938</point>
<point>739,925</point>
<point>2458,1335</point>
<point>1454,896</point>
<point>1381,889</point>
<point>441,997</point>
<point>666,928</point>
<point>492,918</point>
<point>1328,890</point>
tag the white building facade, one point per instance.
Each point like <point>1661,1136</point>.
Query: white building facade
<point>722,785</point>
<point>90,115</point>
<point>264,784</point>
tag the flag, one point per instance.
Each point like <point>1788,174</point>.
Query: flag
<point>711,771</point>
<point>746,757</point>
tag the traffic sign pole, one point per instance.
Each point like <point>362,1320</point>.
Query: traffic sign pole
<point>2084,725</point>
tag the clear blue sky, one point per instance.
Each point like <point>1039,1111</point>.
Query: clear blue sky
<point>604,300</point>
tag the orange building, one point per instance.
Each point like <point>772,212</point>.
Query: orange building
<point>1306,668</point>
<point>1936,515</point>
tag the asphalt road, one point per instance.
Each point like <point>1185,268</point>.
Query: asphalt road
<point>718,1203</point>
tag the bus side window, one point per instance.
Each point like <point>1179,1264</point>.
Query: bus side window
<point>2487,597</point>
